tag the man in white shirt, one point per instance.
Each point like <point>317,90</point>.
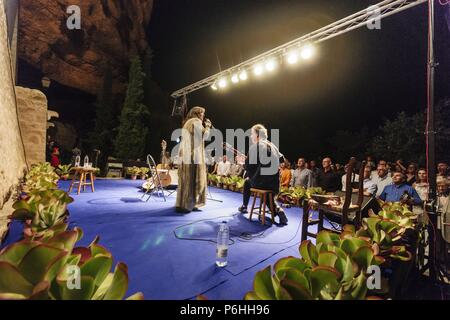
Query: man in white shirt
<point>369,186</point>
<point>355,177</point>
<point>224,167</point>
<point>382,179</point>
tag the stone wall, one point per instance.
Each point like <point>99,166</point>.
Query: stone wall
<point>12,158</point>
<point>33,118</point>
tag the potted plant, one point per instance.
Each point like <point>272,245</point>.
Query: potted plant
<point>240,185</point>
<point>64,171</point>
<point>41,211</point>
<point>133,172</point>
<point>143,172</point>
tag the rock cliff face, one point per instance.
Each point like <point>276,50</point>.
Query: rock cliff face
<point>111,31</point>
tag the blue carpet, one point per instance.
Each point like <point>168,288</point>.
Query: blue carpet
<point>144,236</point>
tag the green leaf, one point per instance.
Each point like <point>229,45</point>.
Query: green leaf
<point>97,268</point>
<point>359,291</point>
<point>290,262</point>
<point>15,252</point>
<point>251,296</point>
<point>296,290</point>
<point>262,284</point>
<point>38,263</point>
<point>363,257</point>
<point>351,245</point>
<point>85,292</point>
<point>293,275</point>
<point>308,252</point>
<point>327,258</point>
<point>11,281</point>
<point>136,296</point>
<point>328,238</point>
<point>119,283</point>
<point>321,277</point>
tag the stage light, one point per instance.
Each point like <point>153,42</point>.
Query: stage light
<point>258,70</point>
<point>292,57</point>
<point>271,65</point>
<point>214,87</point>
<point>223,83</point>
<point>307,52</point>
<point>243,75</point>
<point>235,78</point>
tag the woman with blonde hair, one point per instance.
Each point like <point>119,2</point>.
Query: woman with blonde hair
<point>192,176</point>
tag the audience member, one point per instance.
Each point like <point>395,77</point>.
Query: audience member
<point>399,191</point>
<point>301,177</point>
<point>328,180</point>
<point>223,167</point>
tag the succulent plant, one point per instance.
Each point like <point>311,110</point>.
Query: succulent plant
<point>335,269</point>
<point>42,269</point>
<point>143,171</point>
<point>64,170</point>
<point>294,195</point>
<point>45,209</point>
<point>41,177</point>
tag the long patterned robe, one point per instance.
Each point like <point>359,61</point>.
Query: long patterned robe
<point>192,175</point>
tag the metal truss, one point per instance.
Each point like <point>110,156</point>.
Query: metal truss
<point>366,17</point>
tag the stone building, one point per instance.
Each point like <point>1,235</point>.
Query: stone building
<point>23,117</point>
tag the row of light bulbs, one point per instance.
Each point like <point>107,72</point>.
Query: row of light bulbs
<point>305,53</point>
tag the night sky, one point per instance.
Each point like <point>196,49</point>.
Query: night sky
<point>357,80</point>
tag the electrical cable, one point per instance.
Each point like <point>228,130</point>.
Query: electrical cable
<point>242,237</point>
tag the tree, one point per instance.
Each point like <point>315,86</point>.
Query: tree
<point>132,132</point>
<point>157,101</point>
<point>443,130</point>
<point>401,138</point>
<point>103,134</point>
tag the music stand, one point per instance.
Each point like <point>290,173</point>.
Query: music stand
<point>154,176</point>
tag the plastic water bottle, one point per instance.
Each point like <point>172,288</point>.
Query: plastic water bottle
<point>86,161</point>
<point>222,244</point>
<point>77,161</point>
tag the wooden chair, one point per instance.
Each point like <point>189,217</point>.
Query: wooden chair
<point>262,195</point>
<point>337,214</point>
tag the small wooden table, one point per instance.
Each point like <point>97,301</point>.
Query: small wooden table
<point>81,173</point>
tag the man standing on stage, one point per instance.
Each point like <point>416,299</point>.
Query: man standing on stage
<point>192,177</point>
<point>261,167</point>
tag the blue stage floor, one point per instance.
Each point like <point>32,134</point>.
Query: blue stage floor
<point>142,234</point>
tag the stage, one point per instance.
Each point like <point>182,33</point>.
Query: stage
<point>146,236</point>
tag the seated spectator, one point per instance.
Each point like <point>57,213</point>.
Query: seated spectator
<point>285,174</point>
<point>443,201</point>
<point>398,167</point>
<point>301,177</point>
<point>328,180</point>
<point>382,179</point>
<point>355,177</point>
<point>314,173</point>
<point>442,170</point>
<point>421,185</point>
<point>399,191</point>
<point>374,173</point>
<point>411,174</point>
<point>369,186</point>
<point>236,169</point>
<point>223,167</point>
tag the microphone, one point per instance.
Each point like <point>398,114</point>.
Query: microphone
<point>207,120</point>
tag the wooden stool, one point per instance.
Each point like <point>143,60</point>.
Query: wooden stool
<point>82,173</point>
<point>262,194</point>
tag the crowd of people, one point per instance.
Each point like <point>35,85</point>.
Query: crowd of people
<point>388,181</point>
